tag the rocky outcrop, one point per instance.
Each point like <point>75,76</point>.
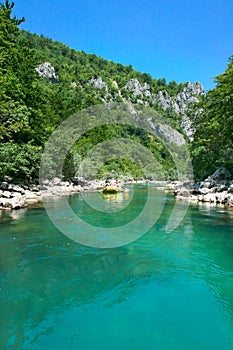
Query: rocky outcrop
<point>47,71</point>
<point>98,83</point>
<point>16,197</point>
<point>180,103</point>
<point>137,88</point>
<point>189,95</point>
<point>165,101</point>
<point>141,94</point>
<point>170,135</point>
<point>216,189</point>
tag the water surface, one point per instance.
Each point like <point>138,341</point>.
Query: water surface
<point>163,291</point>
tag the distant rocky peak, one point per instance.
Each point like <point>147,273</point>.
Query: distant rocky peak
<point>137,88</point>
<point>47,71</point>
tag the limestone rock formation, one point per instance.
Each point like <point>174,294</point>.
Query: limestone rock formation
<point>179,104</point>
<point>171,135</point>
<point>190,94</point>
<point>47,71</point>
<point>216,189</point>
<point>137,88</point>
<point>166,101</point>
<point>142,94</point>
<point>98,83</point>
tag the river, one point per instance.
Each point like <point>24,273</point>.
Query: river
<point>165,290</point>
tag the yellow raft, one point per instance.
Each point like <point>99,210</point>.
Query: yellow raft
<point>111,190</point>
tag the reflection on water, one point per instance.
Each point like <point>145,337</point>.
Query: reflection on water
<point>164,291</point>
<point>109,210</point>
<point>117,198</point>
<point>12,214</point>
<point>108,203</point>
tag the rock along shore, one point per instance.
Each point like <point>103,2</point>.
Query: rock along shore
<point>14,196</point>
<point>20,196</point>
<point>216,189</point>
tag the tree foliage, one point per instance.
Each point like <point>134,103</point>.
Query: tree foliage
<point>19,100</point>
<point>213,141</point>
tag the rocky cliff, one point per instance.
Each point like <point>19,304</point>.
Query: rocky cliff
<point>181,102</point>
<point>137,88</point>
<point>140,93</point>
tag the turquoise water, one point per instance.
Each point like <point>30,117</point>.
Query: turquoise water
<point>163,291</point>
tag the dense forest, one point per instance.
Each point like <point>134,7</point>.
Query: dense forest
<point>33,105</point>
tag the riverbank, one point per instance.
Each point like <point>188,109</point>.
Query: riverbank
<point>18,196</point>
<point>14,196</point>
<point>217,189</point>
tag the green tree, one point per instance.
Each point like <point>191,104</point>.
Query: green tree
<point>213,139</point>
<point>19,98</point>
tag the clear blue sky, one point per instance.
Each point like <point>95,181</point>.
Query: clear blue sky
<point>181,40</point>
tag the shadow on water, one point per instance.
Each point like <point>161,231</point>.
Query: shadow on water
<point>48,280</point>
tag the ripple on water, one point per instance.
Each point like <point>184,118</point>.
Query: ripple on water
<point>164,291</point>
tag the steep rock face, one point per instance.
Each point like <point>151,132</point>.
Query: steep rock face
<point>190,94</point>
<point>47,71</point>
<point>137,88</point>
<point>167,133</point>
<point>171,135</point>
<point>164,100</point>
<point>184,98</point>
<point>141,93</point>
<point>179,104</point>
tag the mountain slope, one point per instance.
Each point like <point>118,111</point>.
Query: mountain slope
<point>97,80</point>
<point>44,82</point>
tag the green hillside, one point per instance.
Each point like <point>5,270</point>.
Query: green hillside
<point>76,69</point>
<point>34,102</point>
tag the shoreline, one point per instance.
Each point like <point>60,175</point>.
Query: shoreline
<point>15,196</point>
<point>211,191</point>
<point>216,189</point>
